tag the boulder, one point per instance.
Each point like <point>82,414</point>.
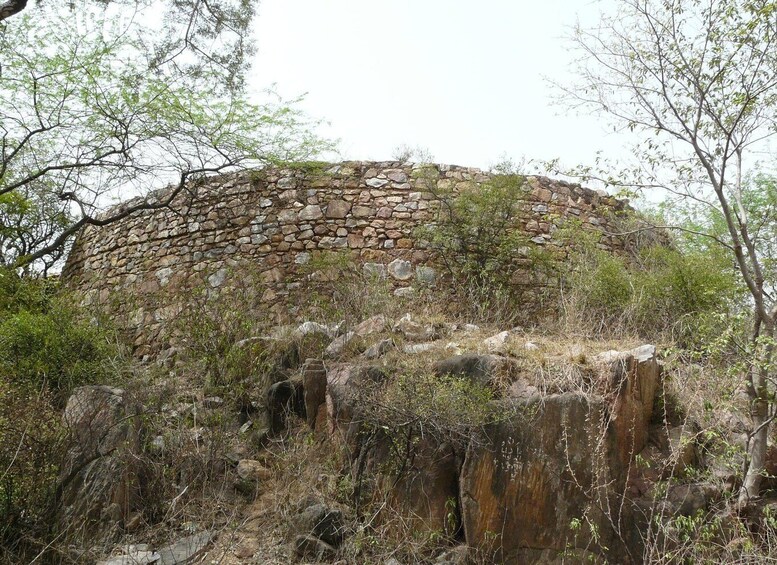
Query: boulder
<point>374,324</point>
<point>378,349</point>
<point>185,550</point>
<point>400,269</point>
<point>312,328</point>
<point>485,370</point>
<point>632,380</point>
<point>346,385</point>
<point>496,342</point>
<point>284,398</point>
<point>322,522</point>
<point>687,499</point>
<point>310,547</point>
<point>459,555</point>
<point>314,387</point>
<point>414,331</point>
<point>98,481</point>
<point>337,345</point>
<point>418,482</point>
<point>133,555</point>
<point>251,470</point>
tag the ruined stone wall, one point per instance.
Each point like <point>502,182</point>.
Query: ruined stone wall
<point>276,219</point>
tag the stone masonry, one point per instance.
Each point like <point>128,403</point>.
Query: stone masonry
<point>276,218</point>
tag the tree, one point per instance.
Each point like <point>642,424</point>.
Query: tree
<point>214,33</point>
<point>699,79</point>
<point>89,114</point>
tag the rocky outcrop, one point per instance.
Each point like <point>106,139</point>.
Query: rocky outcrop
<point>549,478</point>
<point>314,390</point>
<point>284,398</point>
<point>98,484</point>
<point>530,478</point>
<point>182,552</point>
<point>633,378</point>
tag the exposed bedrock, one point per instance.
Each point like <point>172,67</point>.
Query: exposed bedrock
<point>548,479</point>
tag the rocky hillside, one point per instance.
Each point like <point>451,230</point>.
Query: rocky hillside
<point>401,440</point>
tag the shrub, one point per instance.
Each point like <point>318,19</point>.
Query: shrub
<point>46,341</point>
<point>47,347</point>
<point>449,408</point>
<point>684,293</point>
<point>477,240</point>
<point>662,292</point>
<point>31,446</point>
<point>56,349</point>
<point>338,289</point>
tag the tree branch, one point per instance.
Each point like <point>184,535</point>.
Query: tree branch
<point>11,7</point>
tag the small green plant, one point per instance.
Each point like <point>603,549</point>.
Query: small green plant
<point>451,515</point>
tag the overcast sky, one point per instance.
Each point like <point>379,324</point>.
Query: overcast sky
<point>464,79</point>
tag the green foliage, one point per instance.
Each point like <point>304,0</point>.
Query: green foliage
<point>450,401</point>
<point>47,342</point>
<point>55,348</point>
<point>19,294</point>
<point>47,347</point>
<point>88,116</point>
<point>662,292</point>
<point>477,240</point>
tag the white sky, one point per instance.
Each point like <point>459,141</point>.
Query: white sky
<point>460,78</point>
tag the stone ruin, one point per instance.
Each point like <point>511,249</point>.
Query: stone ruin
<point>275,219</point>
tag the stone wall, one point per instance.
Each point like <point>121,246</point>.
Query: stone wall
<point>277,218</point>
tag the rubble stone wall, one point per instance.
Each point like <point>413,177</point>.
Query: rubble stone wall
<point>277,218</point>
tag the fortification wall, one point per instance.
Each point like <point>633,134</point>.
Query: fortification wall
<point>277,218</point>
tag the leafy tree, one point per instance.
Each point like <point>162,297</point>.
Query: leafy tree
<point>93,108</point>
<point>699,79</point>
<point>193,33</point>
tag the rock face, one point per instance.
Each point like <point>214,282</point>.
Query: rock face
<point>99,480</point>
<point>558,460</point>
<point>420,482</point>
<point>314,390</point>
<point>634,377</point>
<point>284,398</point>
<point>484,370</point>
<point>532,475</point>
<point>529,488</point>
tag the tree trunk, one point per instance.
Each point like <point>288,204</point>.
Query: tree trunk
<point>757,452</point>
<point>759,411</point>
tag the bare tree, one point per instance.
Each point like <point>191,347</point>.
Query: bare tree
<point>699,79</point>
